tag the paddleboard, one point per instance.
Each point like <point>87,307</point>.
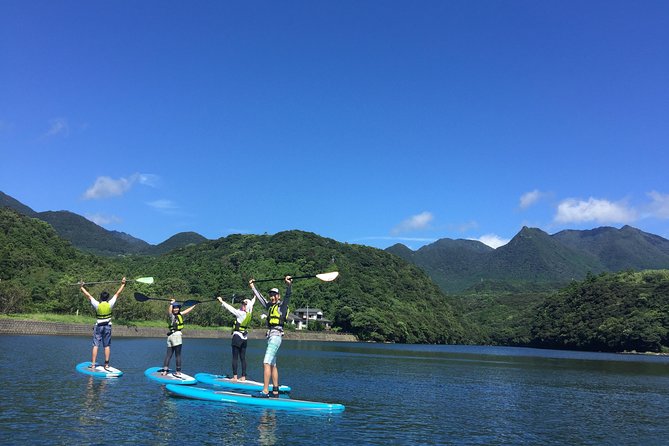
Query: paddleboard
<point>99,370</point>
<point>227,382</point>
<point>208,394</point>
<point>154,374</point>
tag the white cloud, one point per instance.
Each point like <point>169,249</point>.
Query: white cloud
<point>148,179</point>
<point>163,205</point>
<point>492,240</point>
<point>601,211</point>
<point>106,187</point>
<point>530,198</point>
<point>58,126</point>
<point>414,223</point>
<point>659,208</point>
<point>103,220</point>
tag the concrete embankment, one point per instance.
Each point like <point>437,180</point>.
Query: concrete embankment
<point>27,327</point>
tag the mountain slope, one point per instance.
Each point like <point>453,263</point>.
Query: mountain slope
<point>180,240</point>
<point>90,237</point>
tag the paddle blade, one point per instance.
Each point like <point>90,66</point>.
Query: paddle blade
<point>147,280</point>
<point>328,277</point>
<point>141,298</point>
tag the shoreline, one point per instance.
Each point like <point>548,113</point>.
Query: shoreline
<point>31,327</point>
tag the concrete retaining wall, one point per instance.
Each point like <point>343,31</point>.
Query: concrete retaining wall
<point>26,327</point>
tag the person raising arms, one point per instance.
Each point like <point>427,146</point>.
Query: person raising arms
<point>239,333</point>
<point>102,331</point>
<point>174,340</point>
<point>277,310</point>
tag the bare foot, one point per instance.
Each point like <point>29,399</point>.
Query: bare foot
<point>243,378</point>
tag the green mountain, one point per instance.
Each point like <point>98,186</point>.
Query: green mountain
<point>180,240</point>
<point>624,311</point>
<point>619,249</point>
<point>536,260</point>
<point>92,238</point>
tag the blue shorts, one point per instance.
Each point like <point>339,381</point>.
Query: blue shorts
<point>273,344</point>
<point>102,335</point>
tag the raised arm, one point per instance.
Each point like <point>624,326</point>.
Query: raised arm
<point>118,293</point>
<point>85,291</point>
<point>257,294</point>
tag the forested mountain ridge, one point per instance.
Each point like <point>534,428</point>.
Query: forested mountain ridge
<point>533,259</point>
<point>377,296</point>
<point>92,238</point>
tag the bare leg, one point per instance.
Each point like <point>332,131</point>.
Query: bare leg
<point>107,354</point>
<point>275,378</point>
<point>95,355</point>
<point>267,373</point>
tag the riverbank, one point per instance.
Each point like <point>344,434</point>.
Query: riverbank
<point>31,327</point>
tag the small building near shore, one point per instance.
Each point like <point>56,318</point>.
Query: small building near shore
<point>303,316</point>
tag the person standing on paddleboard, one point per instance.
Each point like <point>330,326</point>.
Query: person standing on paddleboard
<point>102,331</point>
<point>239,333</point>
<point>174,340</point>
<point>277,313</point>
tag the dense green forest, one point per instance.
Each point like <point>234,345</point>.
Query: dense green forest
<point>378,296</point>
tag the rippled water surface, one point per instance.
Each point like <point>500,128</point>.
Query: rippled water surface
<point>394,394</point>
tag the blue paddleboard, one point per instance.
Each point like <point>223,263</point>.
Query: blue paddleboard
<point>99,370</point>
<point>226,382</point>
<point>207,394</point>
<point>154,374</point>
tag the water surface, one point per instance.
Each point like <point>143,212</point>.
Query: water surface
<point>394,394</point>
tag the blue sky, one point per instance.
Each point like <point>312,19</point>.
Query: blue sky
<point>370,122</point>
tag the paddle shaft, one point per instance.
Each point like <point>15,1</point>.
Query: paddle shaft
<point>282,278</point>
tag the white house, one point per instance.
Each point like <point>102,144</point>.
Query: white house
<point>302,315</point>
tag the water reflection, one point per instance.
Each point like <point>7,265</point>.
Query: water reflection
<point>267,428</point>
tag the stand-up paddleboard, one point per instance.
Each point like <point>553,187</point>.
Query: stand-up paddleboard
<point>99,370</point>
<point>155,374</point>
<point>201,393</point>
<point>228,383</point>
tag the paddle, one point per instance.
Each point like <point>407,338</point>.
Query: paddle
<point>139,297</point>
<point>191,302</point>
<point>325,277</point>
<point>147,280</point>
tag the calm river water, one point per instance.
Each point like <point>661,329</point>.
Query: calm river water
<point>394,394</point>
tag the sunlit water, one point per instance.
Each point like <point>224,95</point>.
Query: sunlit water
<point>394,394</point>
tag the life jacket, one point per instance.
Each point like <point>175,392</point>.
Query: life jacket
<point>176,323</point>
<point>244,324</point>
<point>275,318</point>
<point>103,311</point>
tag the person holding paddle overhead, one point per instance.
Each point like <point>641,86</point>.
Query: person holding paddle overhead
<point>102,331</point>
<point>239,333</point>
<point>278,311</point>
<point>174,340</point>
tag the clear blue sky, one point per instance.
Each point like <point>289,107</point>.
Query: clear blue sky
<point>370,122</point>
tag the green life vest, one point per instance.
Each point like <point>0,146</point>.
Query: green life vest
<point>103,311</point>
<point>176,323</point>
<point>275,318</point>
<point>245,323</point>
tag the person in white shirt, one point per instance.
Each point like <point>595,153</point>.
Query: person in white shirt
<point>239,334</point>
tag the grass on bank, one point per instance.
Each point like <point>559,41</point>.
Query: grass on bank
<point>86,320</point>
